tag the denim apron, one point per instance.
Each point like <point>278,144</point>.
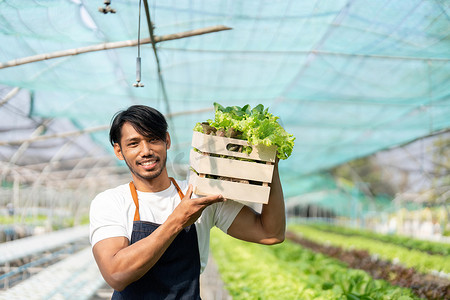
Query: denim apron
<point>176,274</point>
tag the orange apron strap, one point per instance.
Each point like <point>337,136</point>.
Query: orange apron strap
<point>136,201</point>
<point>178,188</point>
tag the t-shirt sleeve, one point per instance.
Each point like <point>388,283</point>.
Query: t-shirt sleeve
<point>225,214</point>
<point>106,219</point>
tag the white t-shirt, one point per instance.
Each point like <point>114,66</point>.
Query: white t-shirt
<point>112,214</point>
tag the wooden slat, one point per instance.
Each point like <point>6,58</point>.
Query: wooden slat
<point>218,145</point>
<point>231,168</point>
<point>240,192</point>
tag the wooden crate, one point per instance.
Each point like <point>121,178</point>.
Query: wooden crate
<point>258,170</point>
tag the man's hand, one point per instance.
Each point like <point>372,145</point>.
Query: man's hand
<point>189,210</point>
<point>121,263</point>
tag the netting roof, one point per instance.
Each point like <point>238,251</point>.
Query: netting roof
<point>347,78</point>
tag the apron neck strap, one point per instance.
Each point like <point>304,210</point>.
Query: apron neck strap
<point>136,201</point>
<point>180,193</point>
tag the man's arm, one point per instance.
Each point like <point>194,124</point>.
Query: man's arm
<point>269,226</point>
<point>122,264</point>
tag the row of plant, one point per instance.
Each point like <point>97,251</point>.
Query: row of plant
<point>11,220</point>
<point>430,247</point>
<point>290,271</point>
<point>426,263</point>
<point>424,285</point>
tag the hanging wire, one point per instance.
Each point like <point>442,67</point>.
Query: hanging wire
<point>138,58</point>
<point>139,30</point>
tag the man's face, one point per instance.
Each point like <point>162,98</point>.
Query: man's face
<point>145,157</point>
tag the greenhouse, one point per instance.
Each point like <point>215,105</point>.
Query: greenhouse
<point>360,89</point>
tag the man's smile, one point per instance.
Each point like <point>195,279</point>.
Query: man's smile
<point>148,164</point>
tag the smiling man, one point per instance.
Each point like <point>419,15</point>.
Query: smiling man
<point>150,237</point>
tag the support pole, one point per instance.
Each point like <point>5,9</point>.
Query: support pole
<point>9,96</point>
<point>89,130</point>
<point>112,45</point>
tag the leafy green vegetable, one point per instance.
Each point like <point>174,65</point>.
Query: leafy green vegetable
<point>289,271</point>
<point>432,247</point>
<point>425,263</point>
<point>256,125</point>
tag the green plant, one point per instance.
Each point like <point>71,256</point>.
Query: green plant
<point>256,125</point>
<point>410,258</point>
<point>288,271</point>
<point>407,242</point>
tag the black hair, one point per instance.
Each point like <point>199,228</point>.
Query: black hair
<point>146,120</point>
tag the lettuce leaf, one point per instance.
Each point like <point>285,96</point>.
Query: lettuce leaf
<point>256,125</point>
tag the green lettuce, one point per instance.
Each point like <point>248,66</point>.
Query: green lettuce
<point>256,125</point>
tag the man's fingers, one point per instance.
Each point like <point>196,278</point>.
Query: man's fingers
<point>189,192</point>
<point>210,199</point>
